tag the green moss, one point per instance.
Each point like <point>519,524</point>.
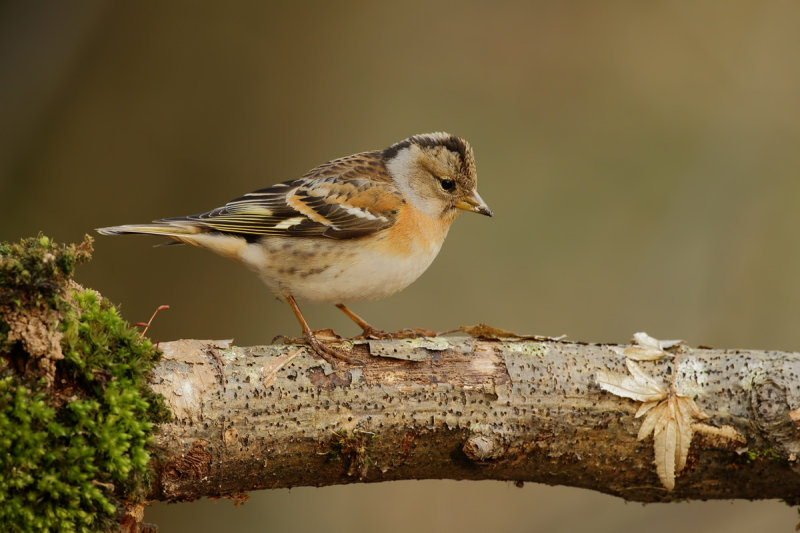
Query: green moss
<point>72,446</point>
<point>357,448</point>
<point>35,271</point>
<point>763,455</point>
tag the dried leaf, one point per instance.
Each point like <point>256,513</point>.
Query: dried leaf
<point>683,422</point>
<point>482,331</point>
<point>326,334</point>
<point>664,438</point>
<point>640,376</point>
<point>491,333</point>
<point>643,339</point>
<point>646,348</point>
<point>694,410</point>
<point>638,386</point>
<point>671,423</point>
<point>638,353</point>
<point>668,417</point>
<point>649,423</point>
<point>646,406</point>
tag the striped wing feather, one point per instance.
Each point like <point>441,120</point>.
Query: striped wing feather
<point>344,198</point>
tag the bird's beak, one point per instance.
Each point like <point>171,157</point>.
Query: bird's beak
<point>474,203</point>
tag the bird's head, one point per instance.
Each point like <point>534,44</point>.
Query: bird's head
<point>437,172</point>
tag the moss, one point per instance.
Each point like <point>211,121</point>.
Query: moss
<point>74,443</point>
<point>35,271</point>
<point>357,447</point>
<point>752,456</point>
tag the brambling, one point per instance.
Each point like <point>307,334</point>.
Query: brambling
<point>357,228</point>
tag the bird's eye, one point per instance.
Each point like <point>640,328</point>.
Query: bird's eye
<point>447,184</point>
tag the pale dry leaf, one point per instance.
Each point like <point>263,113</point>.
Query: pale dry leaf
<point>647,348</point>
<point>629,386</point>
<point>639,353</point>
<point>666,344</point>
<point>664,443</point>
<point>671,423</point>
<point>669,417</point>
<point>640,376</point>
<point>693,408</point>
<point>646,406</point>
<point>646,341</point>
<point>683,419</point>
<point>649,423</point>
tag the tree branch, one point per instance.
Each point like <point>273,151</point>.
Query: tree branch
<point>464,408</point>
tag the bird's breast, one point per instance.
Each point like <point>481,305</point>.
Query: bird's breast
<point>348,270</point>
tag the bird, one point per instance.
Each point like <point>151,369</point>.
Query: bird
<point>357,228</point>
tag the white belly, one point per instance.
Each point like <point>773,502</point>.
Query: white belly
<point>335,271</point>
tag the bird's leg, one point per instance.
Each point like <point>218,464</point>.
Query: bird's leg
<point>368,332</point>
<point>320,348</point>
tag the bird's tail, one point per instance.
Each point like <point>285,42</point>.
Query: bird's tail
<point>183,231</point>
<point>174,229</point>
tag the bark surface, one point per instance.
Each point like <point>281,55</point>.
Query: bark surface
<point>260,417</point>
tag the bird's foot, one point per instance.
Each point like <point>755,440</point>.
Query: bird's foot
<point>328,352</point>
<point>319,341</point>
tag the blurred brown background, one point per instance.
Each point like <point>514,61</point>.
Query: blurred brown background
<point>641,158</point>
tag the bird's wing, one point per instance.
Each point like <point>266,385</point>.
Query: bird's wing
<point>342,199</point>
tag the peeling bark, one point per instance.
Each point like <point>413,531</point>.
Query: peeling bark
<point>259,417</point>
